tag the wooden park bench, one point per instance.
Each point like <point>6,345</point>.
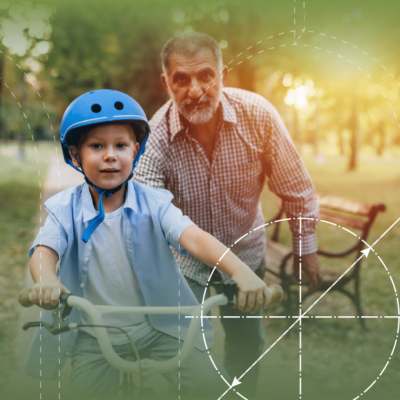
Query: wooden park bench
<point>345,213</point>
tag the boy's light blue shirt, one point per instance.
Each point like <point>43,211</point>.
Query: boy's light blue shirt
<point>151,224</point>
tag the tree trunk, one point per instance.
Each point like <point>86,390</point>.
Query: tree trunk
<point>20,136</point>
<point>317,130</point>
<point>340,141</point>
<point>354,138</point>
<point>380,149</point>
<point>245,77</point>
<point>1,86</point>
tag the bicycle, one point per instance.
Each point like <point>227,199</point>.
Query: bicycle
<point>146,367</point>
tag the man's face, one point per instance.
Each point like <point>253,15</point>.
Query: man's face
<point>106,154</point>
<point>194,84</point>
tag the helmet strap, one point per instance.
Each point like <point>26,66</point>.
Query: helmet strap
<point>99,218</point>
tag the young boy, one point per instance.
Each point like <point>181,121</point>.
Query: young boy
<point>121,256</point>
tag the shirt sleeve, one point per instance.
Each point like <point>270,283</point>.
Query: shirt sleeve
<point>151,169</point>
<point>290,180</point>
<point>52,235</point>
<point>173,224</point>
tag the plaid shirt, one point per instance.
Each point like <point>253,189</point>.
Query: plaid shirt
<point>223,196</point>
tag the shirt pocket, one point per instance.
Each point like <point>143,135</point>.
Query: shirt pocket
<point>244,179</point>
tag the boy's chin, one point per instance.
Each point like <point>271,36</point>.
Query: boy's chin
<point>108,184</point>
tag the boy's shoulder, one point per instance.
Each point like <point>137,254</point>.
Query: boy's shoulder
<point>64,199</point>
<point>142,191</point>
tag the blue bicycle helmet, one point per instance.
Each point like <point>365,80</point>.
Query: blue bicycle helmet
<point>99,107</point>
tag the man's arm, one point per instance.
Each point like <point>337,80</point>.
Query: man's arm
<point>149,172</point>
<point>253,291</point>
<point>290,180</point>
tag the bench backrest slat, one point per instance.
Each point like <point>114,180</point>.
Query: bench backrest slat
<point>340,204</point>
<point>343,220</point>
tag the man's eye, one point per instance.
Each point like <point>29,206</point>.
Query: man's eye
<point>181,79</point>
<point>207,76</point>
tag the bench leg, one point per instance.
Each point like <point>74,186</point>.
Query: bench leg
<point>287,302</point>
<point>357,301</point>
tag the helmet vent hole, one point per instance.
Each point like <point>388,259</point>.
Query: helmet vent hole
<point>118,105</point>
<point>96,108</point>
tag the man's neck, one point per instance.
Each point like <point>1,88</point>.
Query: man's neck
<point>206,133</point>
<point>111,203</point>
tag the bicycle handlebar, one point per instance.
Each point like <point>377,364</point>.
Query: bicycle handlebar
<point>197,313</point>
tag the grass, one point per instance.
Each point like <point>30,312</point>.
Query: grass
<point>339,360</point>
<point>19,206</point>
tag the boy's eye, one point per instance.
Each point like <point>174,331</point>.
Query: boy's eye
<point>121,145</point>
<point>96,145</point>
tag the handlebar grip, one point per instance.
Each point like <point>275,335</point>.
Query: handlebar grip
<point>276,293</point>
<point>24,297</point>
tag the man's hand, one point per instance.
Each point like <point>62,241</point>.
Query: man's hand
<point>252,291</point>
<point>311,267</point>
<point>47,294</point>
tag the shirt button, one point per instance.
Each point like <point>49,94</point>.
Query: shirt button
<point>68,354</point>
<point>86,259</point>
<point>82,285</point>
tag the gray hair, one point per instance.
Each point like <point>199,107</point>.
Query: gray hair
<point>189,44</point>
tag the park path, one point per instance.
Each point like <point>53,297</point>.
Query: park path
<point>60,176</point>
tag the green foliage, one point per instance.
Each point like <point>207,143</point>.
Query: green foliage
<point>20,188</point>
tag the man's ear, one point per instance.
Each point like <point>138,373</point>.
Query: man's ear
<point>76,154</point>
<point>164,81</point>
<point>225,73</point>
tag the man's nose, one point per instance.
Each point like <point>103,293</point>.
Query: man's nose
<point>195,89</point>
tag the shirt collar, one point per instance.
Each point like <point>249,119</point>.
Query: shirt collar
<point>176,124</point>
<point>88,209</point>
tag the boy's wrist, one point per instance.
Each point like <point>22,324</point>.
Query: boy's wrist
<point>47,277</point>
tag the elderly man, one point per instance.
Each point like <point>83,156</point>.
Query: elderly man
<point>213,147</point>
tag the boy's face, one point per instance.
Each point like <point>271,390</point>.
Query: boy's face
<point>106,154</point>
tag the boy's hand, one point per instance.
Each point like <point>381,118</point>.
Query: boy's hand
<point>252,291</point>
<point>47,294</point>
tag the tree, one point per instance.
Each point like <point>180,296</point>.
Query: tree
<point>24,32</point>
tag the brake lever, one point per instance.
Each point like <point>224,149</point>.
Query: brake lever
<point>59,324</point>
<point>229,289</point>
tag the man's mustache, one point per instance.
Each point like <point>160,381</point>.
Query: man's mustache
<point>201,100</point>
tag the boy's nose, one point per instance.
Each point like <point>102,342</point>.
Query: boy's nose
<point>110,154</point>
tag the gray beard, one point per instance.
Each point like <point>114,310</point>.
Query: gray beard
<point>201,115</point>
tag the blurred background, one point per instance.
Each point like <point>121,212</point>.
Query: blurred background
<point>330,68</point>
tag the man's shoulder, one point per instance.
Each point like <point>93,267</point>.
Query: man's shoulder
<point>159,117</point>
<point>240,98</point>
